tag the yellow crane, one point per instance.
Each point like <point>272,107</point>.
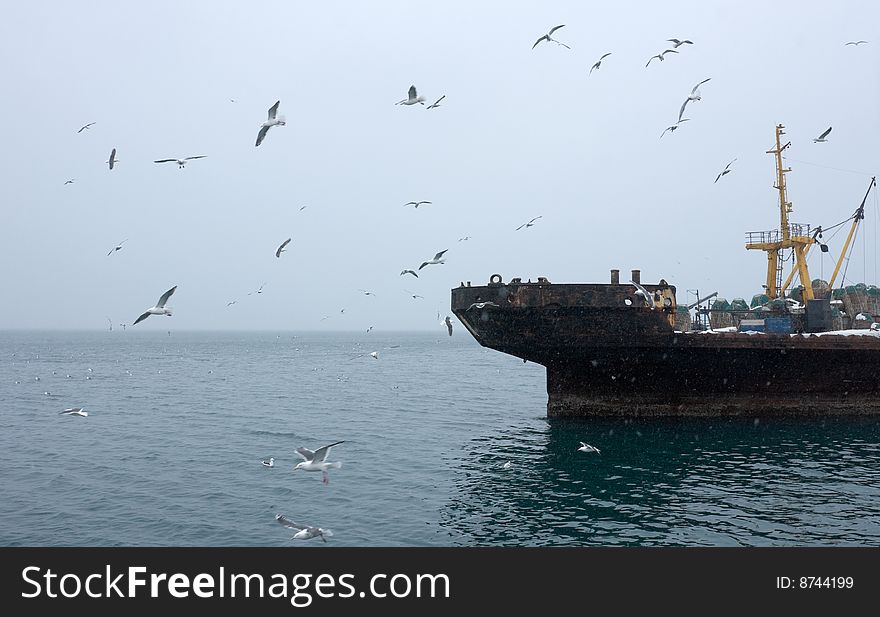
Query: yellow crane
<point>793,236</point>
<point>857,218</point>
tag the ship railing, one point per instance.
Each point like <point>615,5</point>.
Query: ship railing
<point>775,235</point>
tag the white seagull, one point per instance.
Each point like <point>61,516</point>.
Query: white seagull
<point>438,259</point>
<point>644,293</point>
<point>304,532</point>
<point>412,98</point>
<point>181,163</point>
<point>270,462</point>
<point>74,411</point>
<point>585,447</point>
<point>71,181</point>
<point>854,43</point>
<point>273,120</point>
<point>482,305</point>
<point>415,203</point>
<point>413,272</point>
<point>91,123</point>
<point>436,103</point>
<point>118,247</point>
<point>281,248</point>
<point>725,171</point>
<point>673,128</point>
<point>316,460</point>
<point>529,224</point>
<point>112,160</point>
<point>661,54</point>
<point>677,43</point>
<point>159,309</point>
<point>693,96</point>
<point>548,37</point>
<point>599,61</point>
<point>448,322</point>
<point>822,138</point>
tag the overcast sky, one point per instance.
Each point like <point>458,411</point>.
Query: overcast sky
<point>521,133</point>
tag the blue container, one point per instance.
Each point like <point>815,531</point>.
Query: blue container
<point>777,325</point>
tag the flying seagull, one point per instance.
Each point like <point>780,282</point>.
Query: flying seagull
<point>644,293</point>
<point>822,138</point>
<point>548,37</point>
<point>481,305</point>
<point>529,224</point>
<point>412,98</point>
<point>112,160</point>
<point>436,103</point>
<point>854,43</point>
<point>317,460</point>
<point>438,259</point>
<point>367,293</point>
<point>74,411</point>
<point>273,120</point>
<point>693,96</point>
<point>228,304</point>
<point>91,123</point>
<point>725,172</point>
<point>181,163</point>
<point>69,181</point>
<point>448,322</point>
<point>304,532</point>
<point>661,54</point>
<point>465,238</point>
<point>413,272</point>
<point>415,296</point>
<point>599,61</point>
<point>415,203</point>
<point>118,247</point>
<point>585,447</point>
<point>281,248</point>
<point>270,462</point>
<point>677,43</point>
<point>674,127</point>
<point>159,309</point>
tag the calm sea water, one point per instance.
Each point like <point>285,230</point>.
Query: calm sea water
<point>170,453</point>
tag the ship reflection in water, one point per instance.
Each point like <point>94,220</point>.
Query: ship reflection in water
<point>662,482</point>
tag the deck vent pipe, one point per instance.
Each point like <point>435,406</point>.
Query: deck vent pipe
<point>615,277</point>
<point>636,276</point>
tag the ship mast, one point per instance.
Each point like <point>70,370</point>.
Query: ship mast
<point>789,236</point>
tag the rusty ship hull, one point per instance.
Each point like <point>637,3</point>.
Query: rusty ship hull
<point>607,353</point>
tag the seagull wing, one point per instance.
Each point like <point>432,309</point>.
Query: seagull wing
<point>321,453</point>
<point>677,42</point>
<point>651,58</point>
<point>141,318</point>
<point>718,177</point>
<point>604,56</point>
<point>286,522</point>
<point>536,218</point>
<point>261,135</point>
<point>554,29</point>
<point>165,161</point>
<point>165,296</point>
<point>694,91</point>
<point>440,254</point>
<point>189,158</point>
<point>424,263</point>
<point>112,157</point>
<point>412,94</point>
<point>449,325</point>
<point>520,227</point>
<point>664,132</point>
<point>683,105</point>
<point>825,134</point>
<point>543,38</point>
<point>305,453</point>
<point>273,111</point>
